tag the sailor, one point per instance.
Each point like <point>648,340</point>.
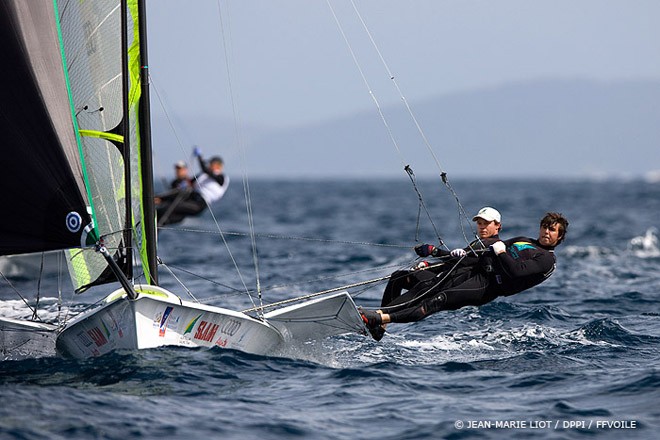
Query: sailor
<point>184,201</point>
<point>181,178</point>
<point>507,268</point>
<point>212,183</point>
<point>489,225</point>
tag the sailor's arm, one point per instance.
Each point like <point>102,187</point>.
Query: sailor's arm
<point>541,262</point>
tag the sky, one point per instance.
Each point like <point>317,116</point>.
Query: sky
<point>279,65</point>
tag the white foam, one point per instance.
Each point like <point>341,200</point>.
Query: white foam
<point>647,245</point>
<point>16,308</point>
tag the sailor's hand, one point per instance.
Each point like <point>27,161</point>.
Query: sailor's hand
<point>421,265</point>
<point>498,247</point>
<point>197,151</point>
<point>424,250</point>
<point>458,253</point>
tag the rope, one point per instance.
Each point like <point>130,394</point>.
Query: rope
<point>170,267</point>
<point>181,195</point>
<point>288,237</point>
<point>411,174</point>
<point>41,273</point>
<point>152,86</point>
<point>461,211</point>
<point>335,289</point>
<point>312,295</point>
<point>277,286</point>
<point>424,294</point>
<point>180,283</point>
<point>33,310</point>
<point>364,79</point>
<point>226,35</point>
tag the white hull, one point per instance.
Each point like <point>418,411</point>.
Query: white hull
<point>159,318</point>
<point>22,339</point>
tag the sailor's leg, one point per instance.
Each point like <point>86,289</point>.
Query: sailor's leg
<point>399,280</point>
<point>469,293</point>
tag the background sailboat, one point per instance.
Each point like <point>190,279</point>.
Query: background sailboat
<point>104,154</point>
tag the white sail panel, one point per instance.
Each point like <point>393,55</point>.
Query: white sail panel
<point>91,33</point>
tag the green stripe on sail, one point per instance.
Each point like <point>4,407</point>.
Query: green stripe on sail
<point>93,234</point>
<point>102,135</point>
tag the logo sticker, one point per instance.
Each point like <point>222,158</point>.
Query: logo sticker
<point>73,222</point>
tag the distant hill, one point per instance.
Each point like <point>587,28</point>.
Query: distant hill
<point>551,128</point>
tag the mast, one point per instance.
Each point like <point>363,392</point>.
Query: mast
<point>126,132</point>
<point>146,163</point>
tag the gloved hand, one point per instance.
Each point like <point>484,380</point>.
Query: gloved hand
<point>424,250</point>
<point>498,247</point>
<point>197,151</point>
<point>458,253</point>
<point>421,265</point>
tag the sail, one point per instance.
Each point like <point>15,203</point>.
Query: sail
<point>143,215</point>
<point>42,185</point>
<point>105,95</point>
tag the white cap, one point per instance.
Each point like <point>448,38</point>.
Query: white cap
<point>180,164</point>
<point>489,214</point>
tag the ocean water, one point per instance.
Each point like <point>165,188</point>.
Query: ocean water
<point>576,357</point>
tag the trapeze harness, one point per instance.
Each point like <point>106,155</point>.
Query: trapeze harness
<point>407,279</point>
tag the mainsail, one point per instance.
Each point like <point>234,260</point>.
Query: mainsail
<point>70,96</point>
<point>103,68</point>
<point>43,195</point>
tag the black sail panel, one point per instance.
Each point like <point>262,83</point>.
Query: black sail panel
<point>43,205</point>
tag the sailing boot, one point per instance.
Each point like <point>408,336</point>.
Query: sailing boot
<point>373,321</point>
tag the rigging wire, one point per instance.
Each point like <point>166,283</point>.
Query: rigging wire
<point>217,225</point>
<point>236,291</point>
<point>175,132</point>
<point>25,301</point>
<point>427,291</point>
<point>406,166</point>
<point>60,319</point>
<point>180,144</point>
<point>181,283</point>
<point>445,180</point>
<point>289,237</point>
<point>41,273</point>
<point>366,83</point>
<point>225,34</point>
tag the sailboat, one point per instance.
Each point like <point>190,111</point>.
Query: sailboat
<point>76,135</point>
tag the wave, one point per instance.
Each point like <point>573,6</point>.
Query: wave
<point>641,246</point>
<point>49,309</point>
<point>589,252</point>
<point>647,245</point>
<point>500,340</point>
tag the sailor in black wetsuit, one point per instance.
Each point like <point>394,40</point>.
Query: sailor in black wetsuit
<point>489,224</point>
<point>509,267</point>
<point>181,180</point>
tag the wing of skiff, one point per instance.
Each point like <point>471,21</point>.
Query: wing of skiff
<point>318,318</point>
